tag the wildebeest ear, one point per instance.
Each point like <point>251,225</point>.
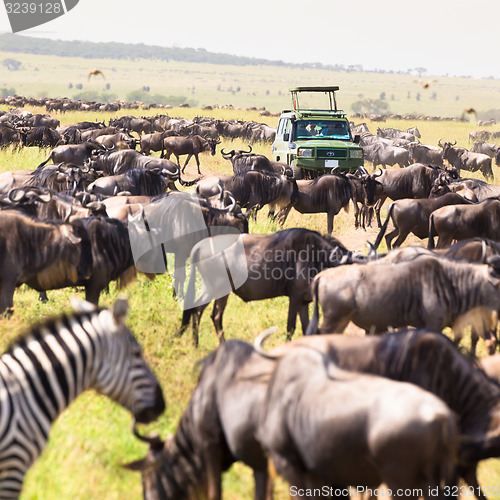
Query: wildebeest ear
<point>68,233</point>
<point>82,305</point>
<point>144,464</point>
<point>493,262</point>
<point>120,310</point>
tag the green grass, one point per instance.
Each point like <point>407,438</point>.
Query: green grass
<point>92,438</point>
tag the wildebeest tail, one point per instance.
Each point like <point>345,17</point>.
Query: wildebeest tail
<point>45,162</point>
<point>313,327</point>
<point>383,229</point>
<point>432,233</point>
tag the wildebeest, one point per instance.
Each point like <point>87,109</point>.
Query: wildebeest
<point>137,182</point>
<point>191,146</point>
<point>485,148</point>
<point>382,154</point>
<point>188,219</point>
<point>462,159</point>
<point>395,133</point>
<point>253,189</point>
<point>412,216</point>
<point>73,153</point>
<point>325,194</point>
<point>415,181</point>
<point>473,189</point>
<point>280,264</point>
<point>431,361</point>
<point>48,255</point>
<point>428,155</point>
<point>120,140</point>
<point>40,136</point>
<point>154,142</point>
<point>243,161</point>
<point>428,292</point>
<point>212,435</point>
<point>462,222</point>
<point>321,425</point>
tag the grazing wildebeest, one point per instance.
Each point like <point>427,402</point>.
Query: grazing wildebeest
<point>280,264</point>
<point>321,425</point>
<point>191,146</point>
<point>412,216</point>
<point>243,161</point>
<point>429,292</point>
<point>481,220</point>
<point>137,182</point>
<point>473,189</point>
<point>415,181</point>
<point>382,154</point>
<point>324,194</point>
<point>395,133</point>
<point>75,154</point>
<point>120,140</point>
<point>40,136</point>
<point>49,255</point>
<point>485,148</point>
<point>462,159</point>
<point>47,368</point>
<point>430,360</point>
<point>211,435</point>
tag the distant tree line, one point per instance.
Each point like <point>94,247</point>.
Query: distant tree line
<point>90,50</point>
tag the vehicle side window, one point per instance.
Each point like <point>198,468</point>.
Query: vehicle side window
<point>287,127</point>
<point>281,125</point>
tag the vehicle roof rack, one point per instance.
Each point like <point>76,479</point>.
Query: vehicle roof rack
<point>330,90</point>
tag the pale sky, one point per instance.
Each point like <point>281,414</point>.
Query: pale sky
<point>444,36</point>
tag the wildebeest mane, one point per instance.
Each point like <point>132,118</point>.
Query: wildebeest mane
<point>146,182</point>
<point>432,361</point>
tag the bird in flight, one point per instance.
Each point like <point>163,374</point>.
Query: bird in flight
<point>96,72</point>
<point>468,111</point>
<point>425,84</point>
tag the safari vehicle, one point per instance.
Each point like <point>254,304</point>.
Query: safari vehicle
<point>315,141</point>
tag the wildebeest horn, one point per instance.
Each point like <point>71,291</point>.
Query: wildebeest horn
<point>230,154</point>
<point>484,252</point>
<point>16,195</point>
<point>259,342</point>
<point>154,441</point>
<point>231,207</point>
<point>241,151</point>
<point>169,173</point>
<point>454,143</point>
<point>376,174</point>
<point>221,192</point>
<point>439,143</point>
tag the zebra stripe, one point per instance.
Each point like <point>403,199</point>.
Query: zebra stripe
<point>50,366</point>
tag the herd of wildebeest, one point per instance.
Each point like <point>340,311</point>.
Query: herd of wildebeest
<point>404,406</point>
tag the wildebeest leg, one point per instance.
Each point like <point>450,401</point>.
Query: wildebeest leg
<point>213,460</point>
<point>356,215</point>
<point>7,287</point>
<point>304,316</point>
<point>470,477</point>
<point>92,292</point>
<point>263,485</point>
<point>329,220</point>
<point>401,238</point>
<point>295,305</point>
<point>197,163</point>
<point>378,206</point>
<point>186,162</point>
<point>186,317</point>
<point>42,297</point>
<point>217,314</point>
<point>283,214</point>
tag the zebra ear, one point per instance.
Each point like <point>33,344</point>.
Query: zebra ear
<point>82,306</point>
<point>120,310</point>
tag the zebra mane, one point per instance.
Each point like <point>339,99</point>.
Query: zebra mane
<point>49,324</point>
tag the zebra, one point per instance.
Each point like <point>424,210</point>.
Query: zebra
<point>44,370</point>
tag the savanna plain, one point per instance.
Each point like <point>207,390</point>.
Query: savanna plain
<point>92,438</point>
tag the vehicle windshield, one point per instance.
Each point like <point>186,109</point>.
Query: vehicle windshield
<point>321,129</point>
